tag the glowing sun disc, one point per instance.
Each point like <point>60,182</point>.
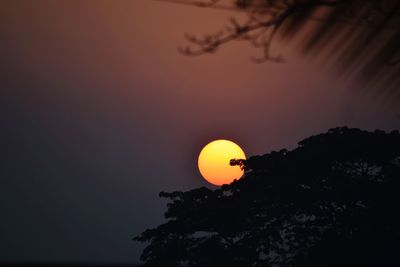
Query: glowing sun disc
<point>214,161</point>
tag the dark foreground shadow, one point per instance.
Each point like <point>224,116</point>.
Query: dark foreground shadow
<point>66,264</point>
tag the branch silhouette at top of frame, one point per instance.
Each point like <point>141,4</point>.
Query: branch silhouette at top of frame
<point>352,34</point>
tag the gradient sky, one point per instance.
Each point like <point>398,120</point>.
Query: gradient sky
<point>99,113</point>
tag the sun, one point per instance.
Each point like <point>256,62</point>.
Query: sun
<point>214,160</point>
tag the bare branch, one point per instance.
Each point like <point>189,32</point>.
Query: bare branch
<point>266,17</point>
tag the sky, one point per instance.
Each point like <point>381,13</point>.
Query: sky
<point>99,113</point>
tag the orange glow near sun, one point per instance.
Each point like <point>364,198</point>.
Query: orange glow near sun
<point>214,162</point>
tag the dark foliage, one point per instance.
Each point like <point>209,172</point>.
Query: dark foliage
<point>357,37</point>
<point>332,201</point>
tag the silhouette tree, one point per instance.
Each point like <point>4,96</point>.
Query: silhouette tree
<point>355,36</point>
<point>332,201</point>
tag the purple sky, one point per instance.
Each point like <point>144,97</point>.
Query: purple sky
<point>100,113</point>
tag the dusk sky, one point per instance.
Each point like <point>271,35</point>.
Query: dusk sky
<point>99,113</point>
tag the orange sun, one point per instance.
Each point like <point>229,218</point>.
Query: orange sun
<point>214,162</point>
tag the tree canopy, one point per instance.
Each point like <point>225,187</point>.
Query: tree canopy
<point>332,201</point>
